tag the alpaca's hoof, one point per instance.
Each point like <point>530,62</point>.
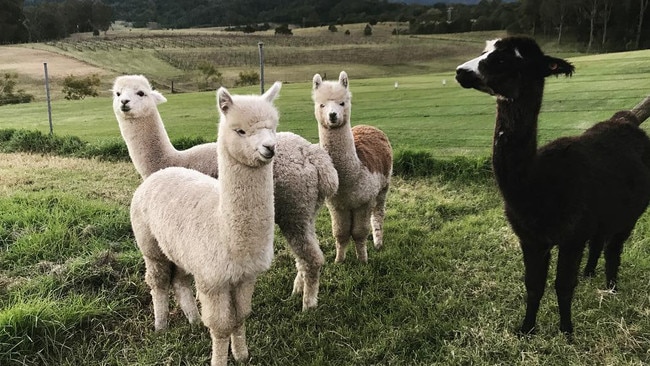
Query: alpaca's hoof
<point>526,330</point>
<point>612,286</point>
<point>309,304</point>
<point>160,326</point>
<point>240,355</point>
<point>340,257</point>
<point>298,284</point>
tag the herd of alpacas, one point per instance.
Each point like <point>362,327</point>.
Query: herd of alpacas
<point>206,215</point>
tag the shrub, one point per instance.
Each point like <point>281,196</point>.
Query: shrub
<point>107,151</point>
<point>76,88</point>
<point>211,76</point>
<point>332,28</point>
<point>367,31</point>
<point>10,96</point>
<point>283,30</point>
<point>38,142</point>
<point>187,142</point>
<point>408,163</point>
<point>5,134</point>
<point>247,78</point>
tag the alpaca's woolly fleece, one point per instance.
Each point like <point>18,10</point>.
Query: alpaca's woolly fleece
<point>362,156</point>
<point>219,231</point>
<point>303,173</point>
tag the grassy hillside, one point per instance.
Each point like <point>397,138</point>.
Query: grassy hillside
<point>422,113</point>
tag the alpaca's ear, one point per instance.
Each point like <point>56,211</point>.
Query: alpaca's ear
<point>557,66</point>
<point>158,97</point>
<point>343,79</point>
<point>272,93</point>
<point>317,81</point>
<point>224,100</point>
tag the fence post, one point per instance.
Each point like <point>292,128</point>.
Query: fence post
<point>47,93</point>
<point>261,46</point>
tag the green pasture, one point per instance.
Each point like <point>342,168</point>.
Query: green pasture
<point>425,112</point>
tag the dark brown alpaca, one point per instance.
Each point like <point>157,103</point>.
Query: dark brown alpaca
<point>587,188</point>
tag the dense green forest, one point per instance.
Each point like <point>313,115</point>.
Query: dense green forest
<point>601,25</point>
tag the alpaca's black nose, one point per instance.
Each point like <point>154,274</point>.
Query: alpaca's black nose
<point>333,117</point>
<point>466,78</point>
<point>270,151</point>
<point>125,101</point>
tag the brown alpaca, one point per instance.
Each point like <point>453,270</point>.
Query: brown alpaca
<point>363,158</point>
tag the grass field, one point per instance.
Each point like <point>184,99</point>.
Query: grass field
<point>447,288</point>
<point>421,114</point>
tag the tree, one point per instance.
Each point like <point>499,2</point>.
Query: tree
<point>283,29</point>
<point>102,16</point>
<point>643,5</point>
<point>529,11</point>
<point>556,13</point>
<point>76,88</point>
<point>12,28</point>
<point>590,10</point>
<point>367,31</point>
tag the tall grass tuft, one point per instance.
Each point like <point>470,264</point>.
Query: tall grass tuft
<point>411,164</point>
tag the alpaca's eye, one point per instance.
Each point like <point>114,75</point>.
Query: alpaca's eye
<point>322,105</point>
<point>140,93</point>
<point>342,104</point>
<point>118,94</point>
<point>240,132</point>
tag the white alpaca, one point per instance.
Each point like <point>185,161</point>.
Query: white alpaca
<point>303,173</point>
<point>363,158</point>
<point>220,231</point>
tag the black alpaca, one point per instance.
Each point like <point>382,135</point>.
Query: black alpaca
<point>591,187</point>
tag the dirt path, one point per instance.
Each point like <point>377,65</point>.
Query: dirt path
<point>29,62</point>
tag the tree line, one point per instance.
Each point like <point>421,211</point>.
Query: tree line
<point>27,21</point>
<point>603,25</point>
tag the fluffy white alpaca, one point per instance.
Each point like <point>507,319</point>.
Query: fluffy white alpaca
<point>303,173</point>
<point>363,158</point>
<point>220,231</point>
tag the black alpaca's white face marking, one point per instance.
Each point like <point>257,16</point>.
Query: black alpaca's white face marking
<point>493,71</point>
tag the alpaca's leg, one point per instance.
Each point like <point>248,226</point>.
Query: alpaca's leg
<point>242,298</point>
<point>536,264</point>
<point>568,263</point>
<point>218,314</point>
<point>377,219</point>
<point>182,282</point>
<point>341,228</point>
<point>613,252</point>
<point>219,349</point>
<point>158,277</point>
<point>595,248</point>
<point>360,231</point>
<point>309,260</point>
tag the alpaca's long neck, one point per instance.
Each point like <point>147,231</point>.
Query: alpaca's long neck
<point>247,195</point>
<point>339,144</point>
<point>148,143</point>
<point>515,141</point>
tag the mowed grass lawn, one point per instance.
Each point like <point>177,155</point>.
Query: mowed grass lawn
<point>446,290</point>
